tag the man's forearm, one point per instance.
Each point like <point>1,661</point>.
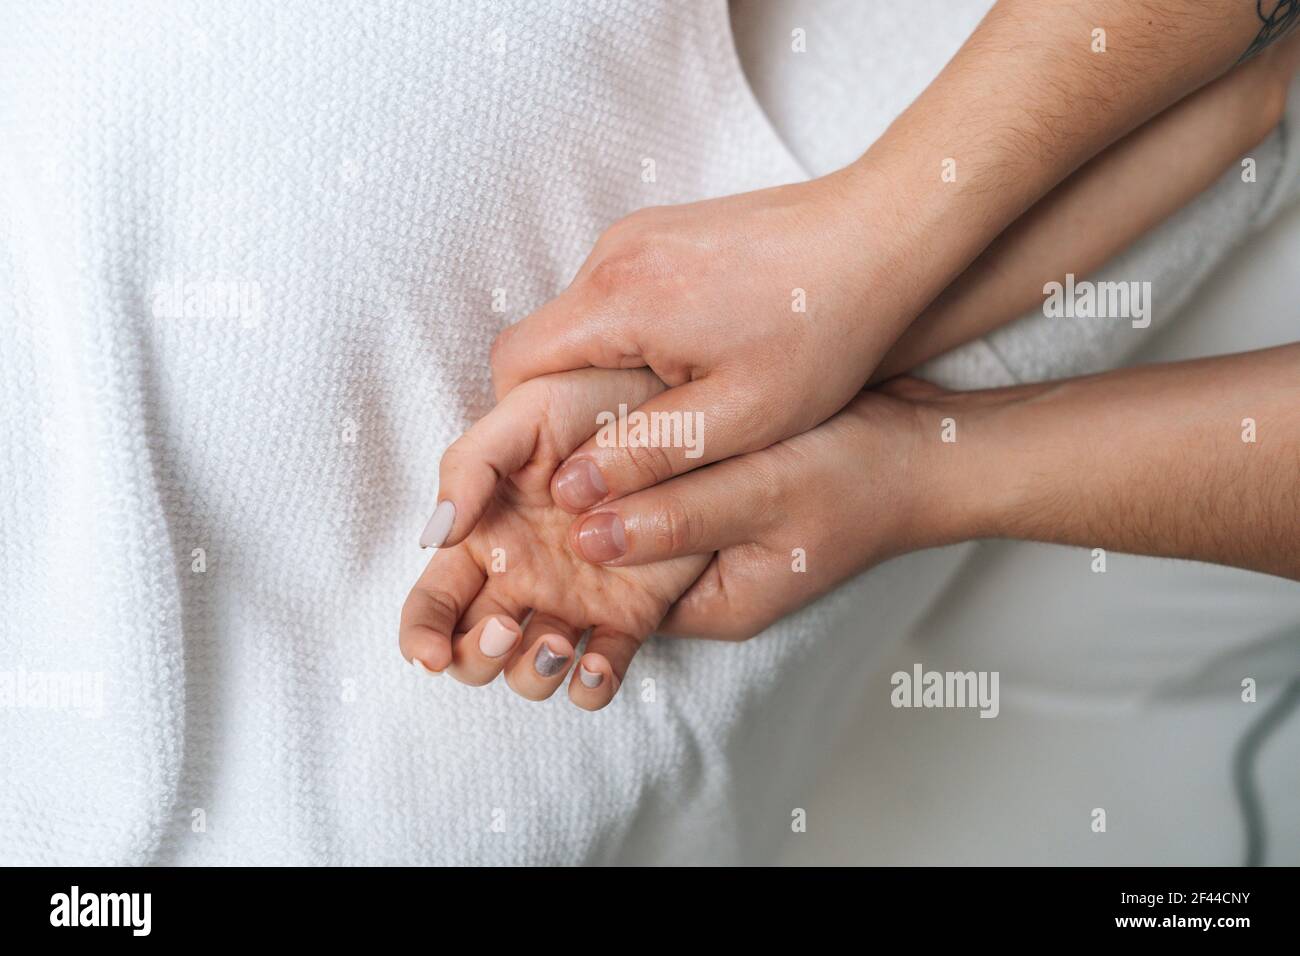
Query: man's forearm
<point>1032,95</point>
<point>1029,98</point>
<point>1196,460</point>
<point>1105,206</point>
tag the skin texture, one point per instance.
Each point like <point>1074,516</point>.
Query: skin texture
<point>732,528</point>
<point>500,472</point>
<point>1041,462</point>
<point>703,294</point>
<point>1204,466</point>
<point>1109,203</point>
<point>1044,462</point>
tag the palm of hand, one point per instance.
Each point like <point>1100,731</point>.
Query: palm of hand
<point>513,554</point>
<point>522,544</point>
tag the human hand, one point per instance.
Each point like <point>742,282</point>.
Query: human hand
<point>707,296</point>
<point>503,552</point>
<point>791,521</point>
<point>1151,460</point>
<point>788,523</point>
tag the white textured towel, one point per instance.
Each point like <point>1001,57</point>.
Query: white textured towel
<point>215,514</point>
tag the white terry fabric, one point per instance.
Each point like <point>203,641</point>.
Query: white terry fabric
<point>377,171</point>
<point>219,515</point>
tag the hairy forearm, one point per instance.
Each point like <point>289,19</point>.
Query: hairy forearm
<point>1032,95</point>
<point>1028,99</point>
<point>1105,206</point>
<point>1196,460</point>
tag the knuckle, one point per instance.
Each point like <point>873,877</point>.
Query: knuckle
<point>430,601</point>
<point>635,251</point>
<point>763,410</point>
<point>682,527</point>
<point>720,613</point>
<point>648,465</point>
<point>498,353</point>
<point>460,460</point>
<point>624,265</point>
<point>538,396</point>
<point>454,457</point>
<point>770,486</point>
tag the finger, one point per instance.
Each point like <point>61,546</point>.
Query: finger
<point>742,592</point>
<point>568,332</point>
<point>719,601</point>
<point>543,658</point>
<point>479,654</point>
<point>730,503</point>
<point>449,583</point>
<point>491,600</point>
<point>603,667</point>
<point>471,468</point>
<point>476,647</point>
<point>662,438</point>
<point>544,417</point>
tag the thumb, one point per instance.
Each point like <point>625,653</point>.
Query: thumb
<point>536,424</point>
<point>564,334</point>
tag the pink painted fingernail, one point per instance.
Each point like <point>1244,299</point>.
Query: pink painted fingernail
<point>601,538</point>
<point>496,638</point>
<point>439,526</point>
<point>579,485</point>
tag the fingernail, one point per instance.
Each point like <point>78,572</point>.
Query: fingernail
<point>547,662</point>
<point>419,665</point>
<point>601,538</point>
<point>439,526</point>
<point>589,678</point>
<point>496,638</point>
<point>579,484</point>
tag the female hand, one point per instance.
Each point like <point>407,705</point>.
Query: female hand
<point>848,493</point>
<point>502,553</point>
<point>787,523</point>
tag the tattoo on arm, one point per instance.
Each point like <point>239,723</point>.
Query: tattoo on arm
<point>1278,17</point>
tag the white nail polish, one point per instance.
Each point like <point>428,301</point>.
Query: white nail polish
<point>419,665</point>
<point>589,678</point>
<point>496,639</point>
<point>439,526</point>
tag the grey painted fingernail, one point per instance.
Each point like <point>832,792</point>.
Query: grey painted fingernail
<point>547,662</point>
<point>439,526</point>
<point>590,678</point>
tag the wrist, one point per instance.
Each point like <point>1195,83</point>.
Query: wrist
<point>912,231</point>
<point>990,467</point>
<point>890,259</point>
